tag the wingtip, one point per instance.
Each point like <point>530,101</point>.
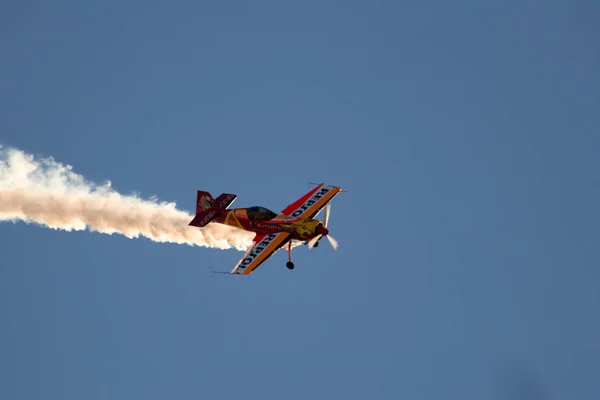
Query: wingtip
<point>322,183</point>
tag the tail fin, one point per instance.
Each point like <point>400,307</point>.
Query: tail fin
<point>208,208</point>
<point>204,202</point>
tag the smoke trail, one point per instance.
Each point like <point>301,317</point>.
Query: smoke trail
<point>49,193</point>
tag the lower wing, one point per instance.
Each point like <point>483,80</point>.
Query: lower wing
<point>263,247</point>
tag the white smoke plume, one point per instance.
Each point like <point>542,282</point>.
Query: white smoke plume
<point>48,193</point>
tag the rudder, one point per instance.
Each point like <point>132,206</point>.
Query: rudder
<point>204,201</point>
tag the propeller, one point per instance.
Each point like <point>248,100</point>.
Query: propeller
<point>311,243</point>
<point>326,215</point>
<point>333,242</point>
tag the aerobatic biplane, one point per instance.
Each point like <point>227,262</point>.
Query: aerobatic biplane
<point>294,226</point>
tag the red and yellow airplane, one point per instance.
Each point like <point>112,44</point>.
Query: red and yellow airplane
<point>294,226</point>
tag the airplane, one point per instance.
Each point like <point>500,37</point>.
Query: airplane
<point>294,226</point>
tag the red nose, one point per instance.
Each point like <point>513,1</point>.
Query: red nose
<point>322,230</point>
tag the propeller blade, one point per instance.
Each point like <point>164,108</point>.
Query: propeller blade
<point>326,216</point>
<point>333,242</point>
<point>311,242</point>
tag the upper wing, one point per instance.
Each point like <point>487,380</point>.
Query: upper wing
<point>263,247</point>
<point>312,202</point>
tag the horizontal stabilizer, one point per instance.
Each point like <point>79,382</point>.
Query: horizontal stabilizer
<point>208,208</point>
<point>203,218</point>
<point>224,200</point>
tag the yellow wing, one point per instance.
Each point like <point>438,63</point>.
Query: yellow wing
<point>264,246</point>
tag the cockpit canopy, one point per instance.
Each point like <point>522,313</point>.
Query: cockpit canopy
<point>257,214</point>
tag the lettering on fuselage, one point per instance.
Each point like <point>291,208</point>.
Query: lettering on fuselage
<point>316,197</point>
<point>263,244</point>
<point>285,228</point>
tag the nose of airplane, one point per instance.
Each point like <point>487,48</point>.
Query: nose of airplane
<point>323,231</point>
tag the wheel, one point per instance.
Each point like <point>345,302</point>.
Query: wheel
<point>290,265</point>
<point>316,244</point>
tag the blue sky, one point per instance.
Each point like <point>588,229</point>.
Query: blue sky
<point>466,134</point>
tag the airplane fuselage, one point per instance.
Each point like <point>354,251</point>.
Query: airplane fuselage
<point>293,226</point>
<point>302,229</point>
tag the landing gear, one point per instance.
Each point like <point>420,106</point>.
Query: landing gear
<point>290,264</point>
<point>316,244</point>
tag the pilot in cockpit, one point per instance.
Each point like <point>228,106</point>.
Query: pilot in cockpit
<point>259,214</point>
